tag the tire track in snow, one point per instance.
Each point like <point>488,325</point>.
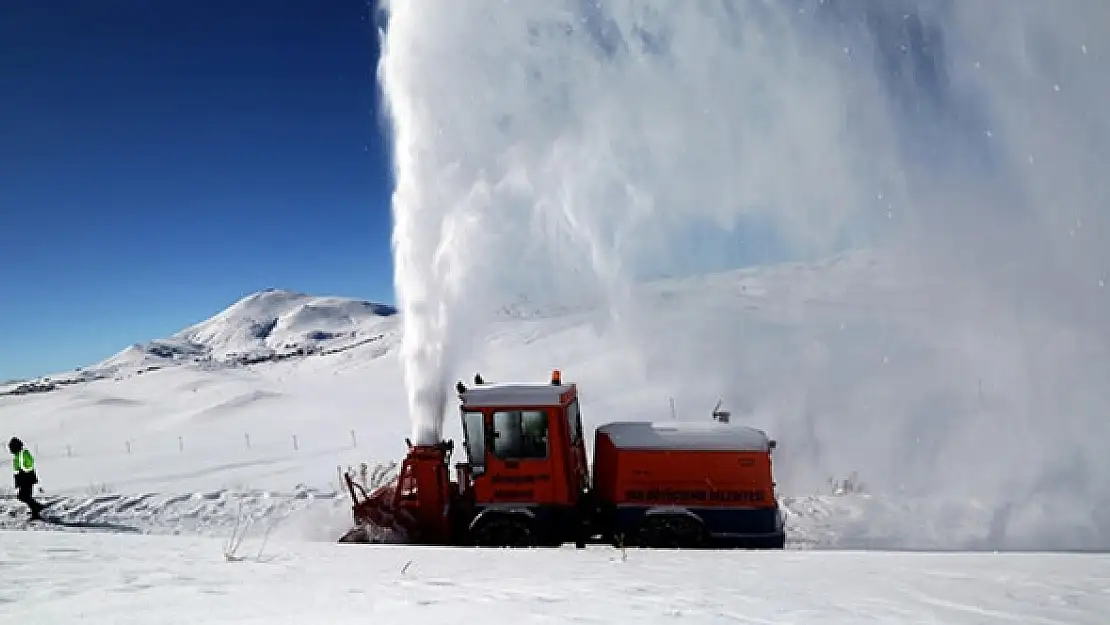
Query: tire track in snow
<point>211,513</point>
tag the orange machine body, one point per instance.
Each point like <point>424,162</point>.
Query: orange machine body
<point>418,503</point>
<point>719,473</point>
<point>526,480</point>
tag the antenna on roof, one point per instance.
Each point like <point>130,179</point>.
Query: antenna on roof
<point>721,415</point>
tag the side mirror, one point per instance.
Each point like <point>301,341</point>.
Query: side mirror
<point>773,444</point>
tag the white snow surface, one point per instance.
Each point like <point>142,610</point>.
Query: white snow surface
<point>187,452</point>
<point>675,436</point>
<point>513,394</point>
<point>119,580</point>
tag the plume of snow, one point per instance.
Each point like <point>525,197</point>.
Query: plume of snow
<point>565,148</point>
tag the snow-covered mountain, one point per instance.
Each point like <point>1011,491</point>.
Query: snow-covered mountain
<point>269,325</point>
<point>278,324</point>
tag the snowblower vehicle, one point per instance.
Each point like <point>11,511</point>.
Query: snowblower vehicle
<point>526,481</point>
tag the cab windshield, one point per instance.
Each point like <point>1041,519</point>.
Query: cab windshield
<point>520,434</point>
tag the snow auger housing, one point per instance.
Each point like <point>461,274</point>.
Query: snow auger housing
<point>527,482</point>
<point>414,507</point>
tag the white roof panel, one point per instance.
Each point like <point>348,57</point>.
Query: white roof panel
<point>686,435</point>
<point>515,394</point>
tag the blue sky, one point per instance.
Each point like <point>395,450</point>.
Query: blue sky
<point>160,160</point>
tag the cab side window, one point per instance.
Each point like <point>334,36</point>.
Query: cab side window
<point>574,421</point>
<point>520,434</point>
<point>474,436</point>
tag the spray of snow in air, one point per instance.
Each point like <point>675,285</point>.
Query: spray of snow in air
<point>565,148</point>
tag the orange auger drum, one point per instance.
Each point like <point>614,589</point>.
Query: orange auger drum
<point>527,481</point>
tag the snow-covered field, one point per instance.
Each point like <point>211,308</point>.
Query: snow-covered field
<point>123,579</point>
<point>198,449</point>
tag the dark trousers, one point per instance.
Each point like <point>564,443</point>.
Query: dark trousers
<point>25,494</point>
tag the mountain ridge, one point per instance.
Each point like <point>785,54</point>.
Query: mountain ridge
<point>275,324</point>
<point>267,325</point>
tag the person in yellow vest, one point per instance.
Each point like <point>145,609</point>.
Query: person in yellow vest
<point>23,466</point>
